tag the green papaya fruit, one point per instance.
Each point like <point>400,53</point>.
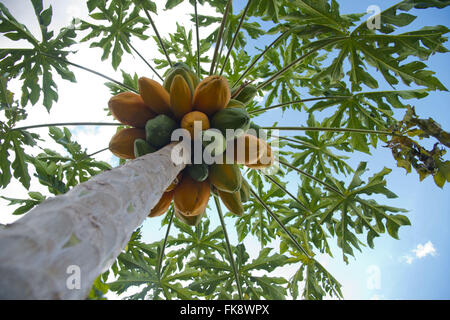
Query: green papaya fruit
<point>158,131</point>
<point>225,177</point>
<point>141,147</point>
<point>190,221</point>
<point>182,69</point>
<point>235,104</point>
<point>246,95</point>
<point>233,202</point>
<point>198,172</point>
<point>245,191</point>
<point>179,71</point>
<point>231,118</point>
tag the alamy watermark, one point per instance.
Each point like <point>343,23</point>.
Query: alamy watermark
<point>73,281</point>
<point>374,21</point>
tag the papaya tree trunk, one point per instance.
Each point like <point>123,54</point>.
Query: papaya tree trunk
<point>60,247</point>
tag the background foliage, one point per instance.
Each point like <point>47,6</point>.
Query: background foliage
<point>317,54</point>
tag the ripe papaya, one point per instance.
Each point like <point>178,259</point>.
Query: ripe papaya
<point>163,205</point>
<point>245,191</point>
<point>232,200</point>
<point>141,147</point>
<point>159,130</point>
<point>265,161</point>
<point>175,182</point>
<point>154,96</point>
<point>191,197</point>
<point>246,95</point>
<point>235,104</point>
<point>231,118</point>
<point>211,95</point>
<point>129,109</point>
<point>248,149</point>
<point>180,97</point>
<point>190,221</point>
<point>189,119</point>
<point>198,172</point>
<point>225,177</point>
<point>122,143</point>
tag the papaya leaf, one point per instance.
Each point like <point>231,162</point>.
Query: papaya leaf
<point>119,22</point>
<point>35,65</point>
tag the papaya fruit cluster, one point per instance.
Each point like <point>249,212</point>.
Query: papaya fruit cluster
<point>183,101</point>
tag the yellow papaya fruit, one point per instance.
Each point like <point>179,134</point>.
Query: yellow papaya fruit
<point>180,97</point>
<point>175,182</point>
<point>191,197</point>
<point>211,95</point>
<point>225,177</point>
<point>154,96</point>
<point>129,109</point>
<point>233,202</point>
<point>163,205</point>
<point>248,149</point>
<point>190,221</point>
<point>189,119</point>
<point>265,161</point>
<point>122,143</point>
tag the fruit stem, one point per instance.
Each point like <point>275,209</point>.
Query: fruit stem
<point>198,39</point>
<point>259,57</point>
<point>157,35</point>
<point>363,131</point>
<point>326,185</point>
<point>68,124</point>
<point>282,226</point>
<point>297,101</point>
<point>89,70</point>
<point>219,36</point>
<point>92,154</point>
<point>235,36</point>
<point>228,245</point>
<point>286,191</point>
<point>297,61</point>
<point>143,59</point>
<point>165,243</point>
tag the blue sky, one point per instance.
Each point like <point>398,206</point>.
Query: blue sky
<point>425,277</point>
<point>399,271</point>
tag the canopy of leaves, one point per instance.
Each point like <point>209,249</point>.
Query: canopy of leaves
<point>316,201</point>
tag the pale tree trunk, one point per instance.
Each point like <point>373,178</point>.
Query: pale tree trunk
<point>83,230</point>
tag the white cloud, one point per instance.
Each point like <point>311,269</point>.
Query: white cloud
<point>421,251</point>
<point>408,259</point>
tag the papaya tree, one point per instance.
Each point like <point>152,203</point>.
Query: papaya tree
<point>83,238</point>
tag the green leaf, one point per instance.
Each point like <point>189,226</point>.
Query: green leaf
<point>118,23</point>
<point>170,4</point>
